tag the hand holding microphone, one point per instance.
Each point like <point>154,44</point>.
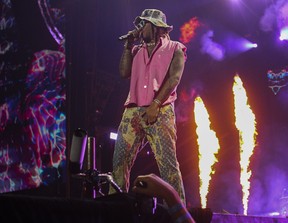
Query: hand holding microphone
<point>134,34</point>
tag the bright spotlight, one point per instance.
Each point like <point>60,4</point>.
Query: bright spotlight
<point>254,45</point>
<point>284,34</point>
<point>113,135</point>
<point>251,45</point>
<point>235,44</point>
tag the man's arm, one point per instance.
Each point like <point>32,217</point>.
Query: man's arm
<point>171,80</point>
<point>125,65</point>
<point>173,77</point>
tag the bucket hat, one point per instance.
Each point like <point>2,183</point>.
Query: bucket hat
<point>155,16</point>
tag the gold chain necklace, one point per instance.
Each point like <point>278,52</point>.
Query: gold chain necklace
<point>150,44</point>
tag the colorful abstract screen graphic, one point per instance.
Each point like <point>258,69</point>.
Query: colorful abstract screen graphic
<point>53,18</point>
<point>277,80</point>
<point>32,109</point>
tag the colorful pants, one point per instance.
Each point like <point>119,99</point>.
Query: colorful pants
<point>162,139</point>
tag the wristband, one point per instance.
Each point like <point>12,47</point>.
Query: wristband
<point>182,218</point>
<point>157,101</point>
<point>175,208</point>
<point>128,46</point>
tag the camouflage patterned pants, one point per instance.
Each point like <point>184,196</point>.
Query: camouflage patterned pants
<point>162,139</point>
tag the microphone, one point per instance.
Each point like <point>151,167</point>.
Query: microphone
<point>77,153</point>
<point>133,33</point>
<point>128,35</point>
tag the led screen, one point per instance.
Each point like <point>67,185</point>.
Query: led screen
<point>32,95</point>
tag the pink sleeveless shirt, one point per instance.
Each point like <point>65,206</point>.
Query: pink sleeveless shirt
<point>148,73</point>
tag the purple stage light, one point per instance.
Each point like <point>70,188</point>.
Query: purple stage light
<point>284,34</point>
<point>235,45</point>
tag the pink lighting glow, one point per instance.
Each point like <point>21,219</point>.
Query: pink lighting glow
<point>188,30</point>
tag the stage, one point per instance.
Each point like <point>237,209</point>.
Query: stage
<point>234,218</point>
<point>112,208</point>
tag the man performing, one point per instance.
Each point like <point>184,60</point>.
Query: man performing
<point>155,67</point>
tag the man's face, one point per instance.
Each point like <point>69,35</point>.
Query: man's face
<point>147,32</point>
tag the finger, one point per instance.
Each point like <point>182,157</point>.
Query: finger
<point>142,184</point>
<point>137,180</point>
<point>139,190</point>
<point>152,121</point>
<point>143,114</point>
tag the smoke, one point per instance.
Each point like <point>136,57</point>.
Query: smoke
<point>215,50</point>
<point>275,15</point>
<point>267,192</point>
<point>270,177</point>
<point>185,102</point>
